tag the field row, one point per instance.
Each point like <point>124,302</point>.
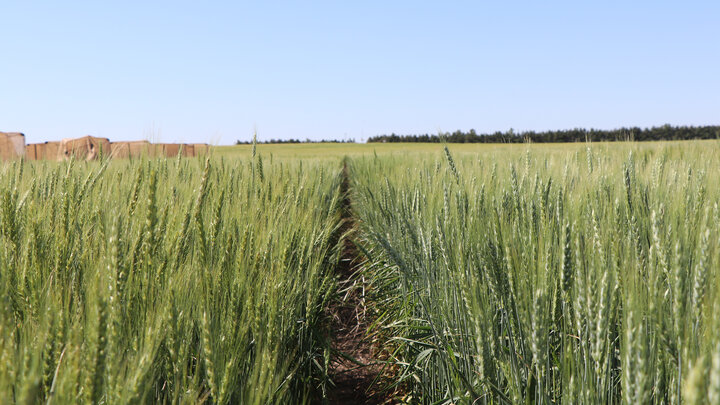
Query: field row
<point>178,281</point>
<point>585,277</point>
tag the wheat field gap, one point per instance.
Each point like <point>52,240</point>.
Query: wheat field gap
<point>487,274</point>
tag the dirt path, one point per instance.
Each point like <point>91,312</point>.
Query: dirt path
<point>354,367</point>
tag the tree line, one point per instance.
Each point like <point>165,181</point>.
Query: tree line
<point>662,133</point>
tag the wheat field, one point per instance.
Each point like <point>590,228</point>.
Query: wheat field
<point>577,273</point>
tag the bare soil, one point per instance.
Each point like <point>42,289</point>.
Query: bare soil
<point>355,369</point>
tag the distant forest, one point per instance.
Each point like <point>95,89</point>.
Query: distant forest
<point>663,133</point>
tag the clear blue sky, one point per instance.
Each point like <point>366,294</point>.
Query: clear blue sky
<point>215,71</point>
